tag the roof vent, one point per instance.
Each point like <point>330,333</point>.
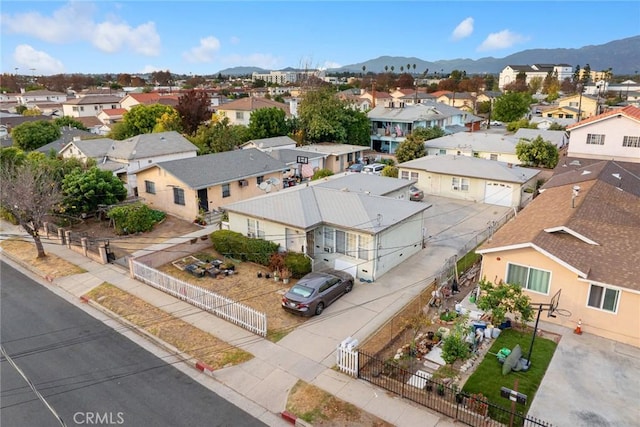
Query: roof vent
<point>585,172</point>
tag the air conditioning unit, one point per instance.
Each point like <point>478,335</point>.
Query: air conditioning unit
<point>251,235</point>
<point>328,249</point>
<point>243,183</point>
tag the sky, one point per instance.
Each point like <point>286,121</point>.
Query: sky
<point>204,37</point>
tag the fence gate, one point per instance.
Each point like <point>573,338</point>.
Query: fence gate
<point>347,357</point>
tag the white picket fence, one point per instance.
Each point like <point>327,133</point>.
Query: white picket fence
<point>223,307</point>
<point>347,356</point>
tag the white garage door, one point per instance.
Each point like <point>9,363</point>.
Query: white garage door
<point>498,193</point>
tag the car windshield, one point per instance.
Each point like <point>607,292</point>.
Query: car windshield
<point>303,291</point>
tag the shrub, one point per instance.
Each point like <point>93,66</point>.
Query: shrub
<point>321,173</point>
<point>8,216</point>
<point>229,243</point>
<point>259,250</point>
<point>454,346</point>
<point>276,261</point>
<point>134,218</point>
<point>297,263</point>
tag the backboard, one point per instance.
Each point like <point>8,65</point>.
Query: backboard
<point>553,305</point>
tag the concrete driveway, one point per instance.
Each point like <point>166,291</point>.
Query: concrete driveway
<point>450,225</point>
<point>591,382</point>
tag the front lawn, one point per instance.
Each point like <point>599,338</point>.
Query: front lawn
<point>488,379</point>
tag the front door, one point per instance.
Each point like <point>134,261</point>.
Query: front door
<point>203,201</point>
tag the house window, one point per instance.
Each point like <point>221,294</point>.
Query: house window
<point>150,187</point>
<point>226,190</point>
<point>178,196</point>
<point>95,108</point>
<point>341,242</point>
<point>442,151</point>
<point>113,107</point>
<point>631,141</point>
<point>529,278</point>
<point>493,157</point>
<point>81,108</point>
<point>459,184</point>
<point>404,175</point>
<point>414,175</point>
<point>603,298</point>
<point>595,139</point>
<point>239,115</point>
<point>254,230</point>
<point>574,104</point>
<point>349,157</point>
<point>363,247</point>
<point>328,237</point>
<point>74,108</point>
<point>260,179</point>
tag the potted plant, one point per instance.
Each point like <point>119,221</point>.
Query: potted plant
<point>458,393</point>
<point>285,274</point>
<point>276,275</point>
<point>440,390</point>
<point>428,386</point>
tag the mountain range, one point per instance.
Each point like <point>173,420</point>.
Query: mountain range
<point>622,56</point>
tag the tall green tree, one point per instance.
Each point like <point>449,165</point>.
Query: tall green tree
<point>411,148</point>
<point>85,190</point>
<point>325,118</point>
<point>537,152</point>
<point>219,136</point>
<point>33,135</point>
<point>511,106</point>
<point>267,123</point>
<point>139,120</point>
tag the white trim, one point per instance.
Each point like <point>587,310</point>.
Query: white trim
<point>573,233</point>
<point>609,285</point>
<point>538,249</point>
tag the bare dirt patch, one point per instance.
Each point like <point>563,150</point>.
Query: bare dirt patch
<point>122,246</point>
<point>49,267</point>
<point>185,337</point>
<point>322,409</point>
<point>246,287</point>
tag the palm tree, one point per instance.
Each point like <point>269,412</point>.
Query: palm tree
<point>401,68</point>
<point>364,68</point>
<point>386,68</point>
<point>392,68</point>
<point>414,68</point>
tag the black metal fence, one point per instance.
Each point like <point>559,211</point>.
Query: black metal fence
<point>419,388</point>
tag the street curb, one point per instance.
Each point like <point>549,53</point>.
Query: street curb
<point>298,422</point>
<point>201,366</point>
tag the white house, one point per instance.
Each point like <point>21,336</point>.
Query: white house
<point>472,178</point>
<point>614,135</point>
<point>90,105</point>
<point>484,145</point>
<point>510,72</point>
<point>363,233</point>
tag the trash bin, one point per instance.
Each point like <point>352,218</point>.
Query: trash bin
<point>496,332</point>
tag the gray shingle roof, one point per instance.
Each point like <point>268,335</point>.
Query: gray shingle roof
<point>152,144</point>
<point>289,155</point>
<point>557,137</point>
<point>276,141</point>
<point>310,206</point>
<point>365,183</point>
<point>219,168</point>
<point>476,141</point>
<point>472,167</point>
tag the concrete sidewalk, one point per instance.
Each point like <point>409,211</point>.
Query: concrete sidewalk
<point>267,379</point>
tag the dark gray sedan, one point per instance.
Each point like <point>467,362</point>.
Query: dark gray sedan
<point>316,291</point>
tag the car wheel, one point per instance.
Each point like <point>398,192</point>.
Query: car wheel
<point>319,308</point>
<point>348,288</point>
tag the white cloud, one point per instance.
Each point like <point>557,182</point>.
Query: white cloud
<point>111,37</point>
<point>73,22</point>
<point>464,29</point>
<point>204,52</point>
<point>501,40</point>
<point>150,69</point>
<point>27,58</point>
<point>262,60</point>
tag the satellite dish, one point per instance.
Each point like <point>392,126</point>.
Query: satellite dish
<point>263,186</point>
<point>274,181</point>
<point>267,187</point>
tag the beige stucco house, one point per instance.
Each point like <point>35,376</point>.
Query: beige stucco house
<point>355,222</point>
<point>472,178</point>
<point>187,188</point>
<point>581,236</point>
<point>335,157</point>
<point>613,135</point>
<point>239,111</point>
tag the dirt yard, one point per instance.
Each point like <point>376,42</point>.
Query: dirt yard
<point>246,287</point>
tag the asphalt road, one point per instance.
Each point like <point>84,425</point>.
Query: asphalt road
<point>89,373</point>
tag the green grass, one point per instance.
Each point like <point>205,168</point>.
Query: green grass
<point>468,260</point>
<point>488,379</point>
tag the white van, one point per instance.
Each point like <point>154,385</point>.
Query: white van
<point>373,169</point>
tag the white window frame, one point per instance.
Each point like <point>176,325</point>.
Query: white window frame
<point>404,175</point>
<point>631,141</point>
<point>602,298</point>
<point>595,139</point>
<point>254,229</point>
<point>526,285</point>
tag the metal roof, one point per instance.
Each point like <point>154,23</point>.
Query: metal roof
<point>365,183</point>
<point>475,141</point>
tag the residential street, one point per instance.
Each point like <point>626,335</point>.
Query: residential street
<point>86,370</point>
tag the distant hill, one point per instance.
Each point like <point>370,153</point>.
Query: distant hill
<point>622,56</point>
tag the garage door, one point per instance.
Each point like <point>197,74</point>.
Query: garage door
<point>498,193</point>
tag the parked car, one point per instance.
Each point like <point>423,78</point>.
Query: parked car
<point>356,167</point>
<point>415,194</point>
<point>373,169</point>
<point>316,291</point>
<point>496,123</point>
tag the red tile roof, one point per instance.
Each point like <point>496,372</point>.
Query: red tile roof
<point>114,111</point>
<point>253,103</point>
<point>629,111</point>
